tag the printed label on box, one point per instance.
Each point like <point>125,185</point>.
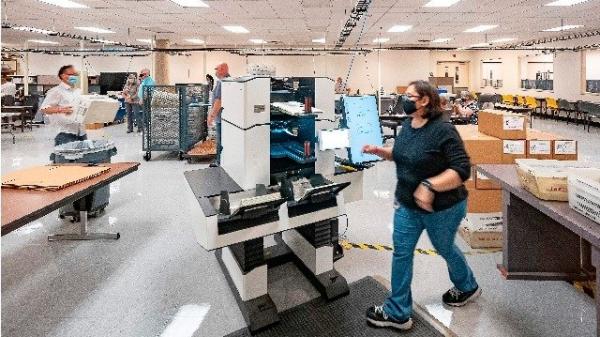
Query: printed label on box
<point>514,147</point>
<point>513,122</point>
<point>539,147</point>
<point>565,147</point>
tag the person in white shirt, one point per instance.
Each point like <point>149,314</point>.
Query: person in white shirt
<point>8,87</point>
<point>58,105</point>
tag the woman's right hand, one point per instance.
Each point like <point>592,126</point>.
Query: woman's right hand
<point>371,149</point>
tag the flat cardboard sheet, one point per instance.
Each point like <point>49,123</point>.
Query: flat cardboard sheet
<point>51,177</point>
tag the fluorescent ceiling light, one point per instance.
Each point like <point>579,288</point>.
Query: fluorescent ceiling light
<point>399,28</point>
<point>506,39</point>
<point>195,41</point>
<point>64,3</point>
<point>34,30</point>
<point>105,41</point>
<point>565,2</point>
<point>258,41</point>
<point>561,28</point>
<point>321,40</point>
<point>441,3</point>
<point>145,40</point>
<point>96,30</point>
<point>441,40</point>
<point>480,28</point>
<point>381,40</point>
<point>190,3</point>
<point>236,29</point>
<point>43,41</point>
<point>482,44</point>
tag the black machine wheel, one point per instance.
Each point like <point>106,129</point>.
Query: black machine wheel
<point>148,156</point>
<point>180,155</point>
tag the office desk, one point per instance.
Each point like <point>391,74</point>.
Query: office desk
<point>544,240</point>
<point>20,206</point>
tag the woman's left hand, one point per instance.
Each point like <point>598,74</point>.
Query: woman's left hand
<point>424,198</point>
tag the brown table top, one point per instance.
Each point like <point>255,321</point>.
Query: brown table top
<point>560,211</point>
<point>20,207</point>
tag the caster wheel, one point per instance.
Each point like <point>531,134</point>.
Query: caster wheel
<point>61,216</point>
<point>147,156</point>
<point>180,156</point>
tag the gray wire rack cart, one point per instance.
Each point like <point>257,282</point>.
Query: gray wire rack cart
<point>194,110</point>
<point>174,117</point>
<point>161,119</point>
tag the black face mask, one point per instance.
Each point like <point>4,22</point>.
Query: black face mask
<point>408,105</point>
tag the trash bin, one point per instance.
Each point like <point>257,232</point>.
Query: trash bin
<point>87,151</point>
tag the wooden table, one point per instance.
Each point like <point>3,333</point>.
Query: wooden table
<point>544,240</point>
<point>21,109</point>
<point>20,207</point>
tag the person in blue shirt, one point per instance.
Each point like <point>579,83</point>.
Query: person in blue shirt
<point>214,117</point>
<point>145,80</point>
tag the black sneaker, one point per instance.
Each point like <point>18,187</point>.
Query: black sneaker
<point>378,318</point>
<point>457,298</point>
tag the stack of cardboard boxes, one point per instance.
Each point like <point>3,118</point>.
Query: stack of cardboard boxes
<point>500,138</point>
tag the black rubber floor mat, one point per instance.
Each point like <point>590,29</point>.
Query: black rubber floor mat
<point>342,317</point>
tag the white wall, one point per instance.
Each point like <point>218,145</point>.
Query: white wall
<point>397,68</point>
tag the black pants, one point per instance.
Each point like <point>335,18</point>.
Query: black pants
<point>63,138</point>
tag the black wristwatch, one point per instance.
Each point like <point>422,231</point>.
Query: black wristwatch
<point>428,184</point>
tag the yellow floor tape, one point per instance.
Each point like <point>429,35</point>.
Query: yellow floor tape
<point>432,252</point>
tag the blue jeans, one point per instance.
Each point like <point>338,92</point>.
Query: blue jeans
<point>63,138</point>
<point>441,227</point>
<point>218,140</point>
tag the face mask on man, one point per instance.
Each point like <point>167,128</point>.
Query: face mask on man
<point>72,80</point>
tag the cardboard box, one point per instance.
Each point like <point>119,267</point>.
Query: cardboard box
<point>565,149</point>
<point>470,183</point>
<point>502,124</point>
<point>547,179</point>
<point>512,150</point>
<point>539,144</point>
<point>482,149</point>
<point>482,230</point>
<point>484,201</point>
<point>94,126</point>
<point>482,182</point>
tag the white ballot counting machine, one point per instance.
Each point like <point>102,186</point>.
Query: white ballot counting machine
<point>276,196</point>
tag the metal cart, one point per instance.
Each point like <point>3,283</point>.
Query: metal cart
<point>161,119</point>
<point>194,111</point>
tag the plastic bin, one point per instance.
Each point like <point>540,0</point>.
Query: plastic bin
<point>87,151</point>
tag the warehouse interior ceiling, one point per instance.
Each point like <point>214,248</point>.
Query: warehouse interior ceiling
<point>297,23</point>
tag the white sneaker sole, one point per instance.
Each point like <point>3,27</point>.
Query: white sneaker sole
<point>472,298</point>
<point>388,324</point>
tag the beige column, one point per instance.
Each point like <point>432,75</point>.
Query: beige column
<point>161,63</point>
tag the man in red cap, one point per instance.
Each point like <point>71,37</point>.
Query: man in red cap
<point>221,71</point>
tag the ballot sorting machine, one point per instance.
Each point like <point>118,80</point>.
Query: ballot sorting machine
<point>276,197</point>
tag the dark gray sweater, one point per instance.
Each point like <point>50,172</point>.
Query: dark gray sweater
<point>426,152</point>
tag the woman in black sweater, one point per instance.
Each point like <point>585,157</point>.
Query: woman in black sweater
<point>431,166</point>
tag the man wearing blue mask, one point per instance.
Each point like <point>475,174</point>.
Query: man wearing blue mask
<point>59,103</point>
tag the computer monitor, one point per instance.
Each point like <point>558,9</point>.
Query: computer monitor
<point>361,117</point>
<point>334,139</point>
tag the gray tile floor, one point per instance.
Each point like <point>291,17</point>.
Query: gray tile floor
<point>157,281</point>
